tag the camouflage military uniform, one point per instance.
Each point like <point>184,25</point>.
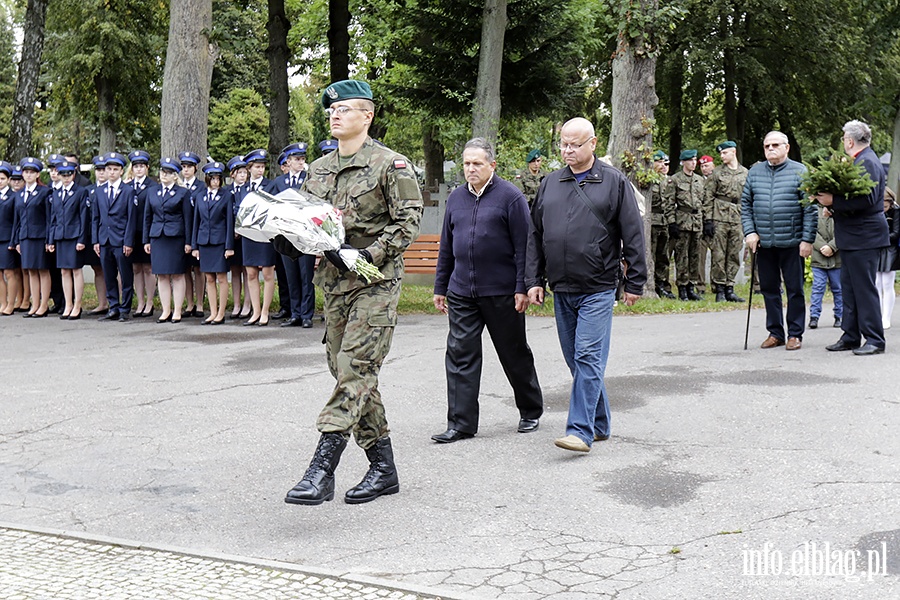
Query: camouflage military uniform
<point>529,184</point>
<point>377,193</point>
<point>662,213</point>
<point>686,192</point>
<point>722,205</point>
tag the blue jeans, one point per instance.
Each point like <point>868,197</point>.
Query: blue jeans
<point>821,277</point>
<point>584,325</point>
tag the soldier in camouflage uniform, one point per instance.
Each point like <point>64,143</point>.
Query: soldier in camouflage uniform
<point>530,180</point>
<point>685,190</point>
<point>662,215</point>
<point>376,190</point>
<point>722,221</point>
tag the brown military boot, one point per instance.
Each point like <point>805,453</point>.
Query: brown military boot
<point>381,479</point>
<point>317,484</point>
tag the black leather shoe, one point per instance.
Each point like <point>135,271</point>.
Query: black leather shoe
<point>124,317</point>
<point>292,322</point>
<point>282,313</point>
<point>198,313</point>
<point>307,324</point>
<point>451,435</point>
<point>528,425</point>
<point>868,350</point>
<point>840,346</point>
<point>112,315</point>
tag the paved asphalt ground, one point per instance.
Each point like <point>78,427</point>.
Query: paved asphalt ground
<point>730,473</point>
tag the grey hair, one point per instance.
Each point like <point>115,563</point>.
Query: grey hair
<point>481,144</point>
<point>858,131</point>
<point>778,134</point>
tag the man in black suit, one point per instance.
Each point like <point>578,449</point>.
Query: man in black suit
<point>860,231</point>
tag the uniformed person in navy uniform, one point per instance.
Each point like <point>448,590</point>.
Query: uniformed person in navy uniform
<point>56,288</point>
<point>168,217</point>
<point>298,272</point>
<point>261,256</point>
<point>80,179</point>
<point>328,146</point>
<point>91,257</point>
<point>193,281</point>
<point>238,188</point>
<point>29,235</point>
<point>114,216</point>
<point>212,239</point>
<point>10,275</point>
<point>68,235</point>
<point>144,280</point>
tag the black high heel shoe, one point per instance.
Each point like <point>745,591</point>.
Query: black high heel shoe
<point>164,319</point>
<point>75,317</point>
<point>253,322</point>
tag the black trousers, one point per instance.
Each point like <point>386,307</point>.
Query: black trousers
<point>862,310</point>
<point>284,292</point>
<point>115,265</point>
<point>774,265</point>
<point>299,277</point>
<point>468,318</point>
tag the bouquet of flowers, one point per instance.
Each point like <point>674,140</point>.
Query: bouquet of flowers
<point>838,175</point>
<point>308,224</point>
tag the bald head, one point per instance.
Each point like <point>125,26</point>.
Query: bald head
<point>577,143</point>
<point>578,127</point>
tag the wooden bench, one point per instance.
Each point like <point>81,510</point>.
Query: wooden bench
<point>421,256</point>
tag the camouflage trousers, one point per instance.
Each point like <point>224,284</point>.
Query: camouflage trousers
<point>659,247</point>
<point>726,253</point>
<point>359,328</point>
<point>687,258</point>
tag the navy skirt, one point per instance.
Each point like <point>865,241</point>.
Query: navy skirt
<point>35,255</point>
<point>167,255</point>
<point>9,259</point>
<point>212,258</point>
<point>67,257</point>
<point>258,254</point>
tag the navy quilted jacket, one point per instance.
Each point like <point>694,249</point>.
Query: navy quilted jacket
<point>770,206</point>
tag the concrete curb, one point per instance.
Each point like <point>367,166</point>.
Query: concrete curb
<point>245,560</point>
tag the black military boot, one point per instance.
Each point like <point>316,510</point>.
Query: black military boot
<point>662,292</point>
<point>682,292</point>
<point>317,484</point>
<point>720,292</point>
<point>731,296</point>
<point>381,479</point>
<point>691,294</point>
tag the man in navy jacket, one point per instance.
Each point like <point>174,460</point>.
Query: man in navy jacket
<point>480,281</point>
<point>860,231</point>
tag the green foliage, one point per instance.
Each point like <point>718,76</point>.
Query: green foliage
<point>638,166</point>
<point>237,124</point>
<point>7,75</point>
<point>239,33</point>
<point>837,175</point>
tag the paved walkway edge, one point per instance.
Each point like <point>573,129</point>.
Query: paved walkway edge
<point>421,590</point>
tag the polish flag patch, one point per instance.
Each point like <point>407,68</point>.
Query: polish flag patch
<point>399,164</point>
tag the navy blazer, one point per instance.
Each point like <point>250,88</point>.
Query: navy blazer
<point>30,220</point>
<point>70,216</point>
<point>168,216</point>
<point>284,182</point>
<point>264,184</point>
<point>214,220</point>
<point>140,192</point>
<point>859,221</point>
<point>197,188</point>
<point>7,213</point>
<point>114,220</point>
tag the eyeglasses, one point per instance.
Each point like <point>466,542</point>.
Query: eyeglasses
<point>342,110</point>
<point>767,146</point>
<point>565,147</point>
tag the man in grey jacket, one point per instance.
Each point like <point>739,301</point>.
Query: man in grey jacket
<point>781,232</point>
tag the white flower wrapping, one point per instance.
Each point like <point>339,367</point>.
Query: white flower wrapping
<point>311,225</point>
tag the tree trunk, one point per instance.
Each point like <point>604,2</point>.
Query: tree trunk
<point>20,143</point>
<point>278,53</point>
<point>486,112</point>
<point>631,135</point>
<point>106,113</point>
<point>434,157</point>
<point>676,96</point>
<point>894,171</point>
<point>187,78</point>
<point>731,119</point>
<point>339,39</point>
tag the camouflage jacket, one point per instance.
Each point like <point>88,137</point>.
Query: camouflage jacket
<point>529,184</point>
<point>662,209</point>
<point>381,205</point>
<point>686,193</point>
<point>722,195</point>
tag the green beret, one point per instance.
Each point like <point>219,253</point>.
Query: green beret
<point>536,153</point>
<point>727,144</point>
<point>687,154</point>
<point>660,155</point>
<point>345,90</point>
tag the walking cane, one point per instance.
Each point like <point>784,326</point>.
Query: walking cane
<point>750,301</point>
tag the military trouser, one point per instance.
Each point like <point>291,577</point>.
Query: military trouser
<point>659,248</point>
<point>687,258</point>
<point>359,327</point>
<point>700,276</point>
<point>726,253</point>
